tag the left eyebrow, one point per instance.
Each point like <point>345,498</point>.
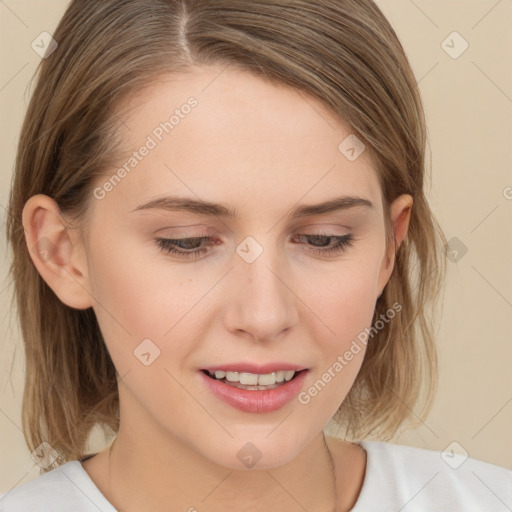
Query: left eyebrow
<point>177,203</point>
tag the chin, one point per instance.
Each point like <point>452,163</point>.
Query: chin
<point>249,452</point>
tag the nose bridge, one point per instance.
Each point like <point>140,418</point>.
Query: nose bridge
<point>264,304</point>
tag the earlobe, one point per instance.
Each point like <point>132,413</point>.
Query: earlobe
<point>400,212</point>
<point>55,251</point>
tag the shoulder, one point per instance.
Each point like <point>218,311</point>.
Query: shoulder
<point>65,488</point>
<point>434,480</point>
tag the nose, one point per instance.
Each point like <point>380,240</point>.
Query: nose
<point>263,304</point>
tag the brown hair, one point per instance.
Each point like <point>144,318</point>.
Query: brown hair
<point>343,52</point>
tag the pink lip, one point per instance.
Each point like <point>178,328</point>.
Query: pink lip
<point>260,369</point>
<point>256,401</point>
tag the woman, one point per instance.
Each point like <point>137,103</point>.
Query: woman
<point>215,215</point>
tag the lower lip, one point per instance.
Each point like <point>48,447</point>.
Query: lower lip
<point>267,400</point>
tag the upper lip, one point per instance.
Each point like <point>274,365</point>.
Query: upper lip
<point>261,369</point>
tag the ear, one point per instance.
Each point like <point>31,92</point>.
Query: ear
<point>56,251</point>
<point>400,211</point>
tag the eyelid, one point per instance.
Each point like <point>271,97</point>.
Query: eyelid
<point>183,232</point>
<point>323,225</point>
<point>208,231</point>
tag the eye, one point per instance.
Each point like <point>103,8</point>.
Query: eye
<point>169,245</point>
<point>191,247</point>
<point>340,243</point>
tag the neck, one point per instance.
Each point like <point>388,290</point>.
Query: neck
<point>180,479</point>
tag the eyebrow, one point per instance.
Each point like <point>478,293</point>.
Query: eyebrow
<point>185,204</point>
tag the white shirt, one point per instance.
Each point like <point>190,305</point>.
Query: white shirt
<point>398,478</point>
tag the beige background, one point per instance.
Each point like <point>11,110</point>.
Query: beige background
<point>468,103</point>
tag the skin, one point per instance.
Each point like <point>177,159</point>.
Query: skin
<point>261,148</point>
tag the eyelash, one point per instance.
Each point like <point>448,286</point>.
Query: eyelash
<point>168,245</point>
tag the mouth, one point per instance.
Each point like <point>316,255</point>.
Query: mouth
<point>255,392</point>
<point>253,381</point>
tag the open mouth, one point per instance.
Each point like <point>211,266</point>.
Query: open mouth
<point>253,381</point>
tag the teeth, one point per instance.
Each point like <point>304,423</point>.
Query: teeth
<point>250,379</point>
<point>288,375</point>
<point>233,376</point>
<point>254,379</point>
<point>267,379</point>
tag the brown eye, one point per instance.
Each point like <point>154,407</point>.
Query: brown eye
<point>185,247</point>
<point>321,243</point>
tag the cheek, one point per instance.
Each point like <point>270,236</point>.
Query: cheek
<point>344,301</point>
<point>135,301</point>
<point>345,305</point>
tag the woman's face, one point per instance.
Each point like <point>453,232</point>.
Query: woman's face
<point>259,295</point>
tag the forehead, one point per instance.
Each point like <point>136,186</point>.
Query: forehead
<point>226,135</point>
